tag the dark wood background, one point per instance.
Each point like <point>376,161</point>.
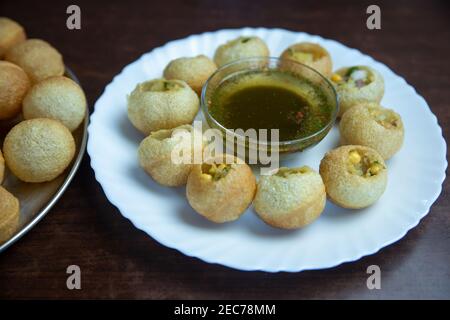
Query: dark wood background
<point>119,261</point>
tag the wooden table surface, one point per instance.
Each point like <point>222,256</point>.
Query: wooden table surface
<point>119,261</point>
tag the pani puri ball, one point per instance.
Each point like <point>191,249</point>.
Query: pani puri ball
<point>291,198</point>
<point>38,150</point>
<point>11,33</point>
<point>194,71</point>
<point>240,48</point>
<point>14,84</point>
<point>355,177</point>
<point>9,214</point>
<point>356,85</point>
<point>162,104</point>
<point>2,167</point>
<point>222,189</point>
<point>37,58</point>
<point>157,154</point>
<point>57,98</point>
<point>311,54</point>
<point>373,126</point>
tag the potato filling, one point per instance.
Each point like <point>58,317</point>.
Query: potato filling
<point>286,172</point>
<point>360,164</point>
<point>305,57</point>
<point>386,118</point>
<point>160,86</point>
<point>162,134</point>
<point>216,171</point>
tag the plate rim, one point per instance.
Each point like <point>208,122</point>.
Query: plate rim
<point>420,213</point>
<point>64,185</point>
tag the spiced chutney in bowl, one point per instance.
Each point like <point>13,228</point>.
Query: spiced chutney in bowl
<point>270,93</point>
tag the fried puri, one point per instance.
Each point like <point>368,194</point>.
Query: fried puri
<point>11,34</point>
<point>240,48</point>
<point>38,150</point>
<point>58,98</point>
<point>9,214</point>
<point>194,71</point>
<point>2,167</point>
<point>291,198</point>
<point>14,84</point>
<point>356,85</point>
<point>162,104</point>
<point>168,155</point>
<point>37,58</point>
<point>222,189</point>
<point>354,176</point>
<point>311,54</point>
<point>373,126</point>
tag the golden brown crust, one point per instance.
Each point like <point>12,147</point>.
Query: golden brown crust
<point>11,34</point>
<point>350,95</point>
<point>349,189</point>
<point>225,198</point>
<point>292,201</point>
<point>38,150</point>
<point>240,48</point>
<point>37,58</point>
<point>14,84</point>
<point>162,104</point>
<point>57,98</point>
<point>194,71</point>
<point>9,214</point>
<point>2,167</point>
<point>373,126</point>
<point>155,154</point>
<point>321,58</point>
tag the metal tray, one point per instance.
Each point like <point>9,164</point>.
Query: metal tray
<point>36,200</point>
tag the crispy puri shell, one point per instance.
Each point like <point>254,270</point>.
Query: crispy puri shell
<point>9,214</point>
<point>225,199</point>
<point>37,58</point>
<point>57,98</point>
<point>350,190</point>
<point>38,150</point>
<point>14,84</point>
<point>290,202</point>
<point>350,96</point>
<point>322,59</point>
<point>358,127</point>
<point>155,155</point>
<point>11,34</point>
<point>194,71</point>
<point>150,110</point>
<point>240,48</point>
<point>2,167</point>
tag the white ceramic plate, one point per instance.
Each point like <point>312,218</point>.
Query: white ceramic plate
<point>416,173</point>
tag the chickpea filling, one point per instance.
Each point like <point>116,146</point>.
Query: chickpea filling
<point>216,171</point>
<point>160,86</point>
<point>286,172</point>
<point>361,165</point>
<point>386,118</point>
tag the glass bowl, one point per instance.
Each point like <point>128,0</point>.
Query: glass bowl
<point>265,64</point>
